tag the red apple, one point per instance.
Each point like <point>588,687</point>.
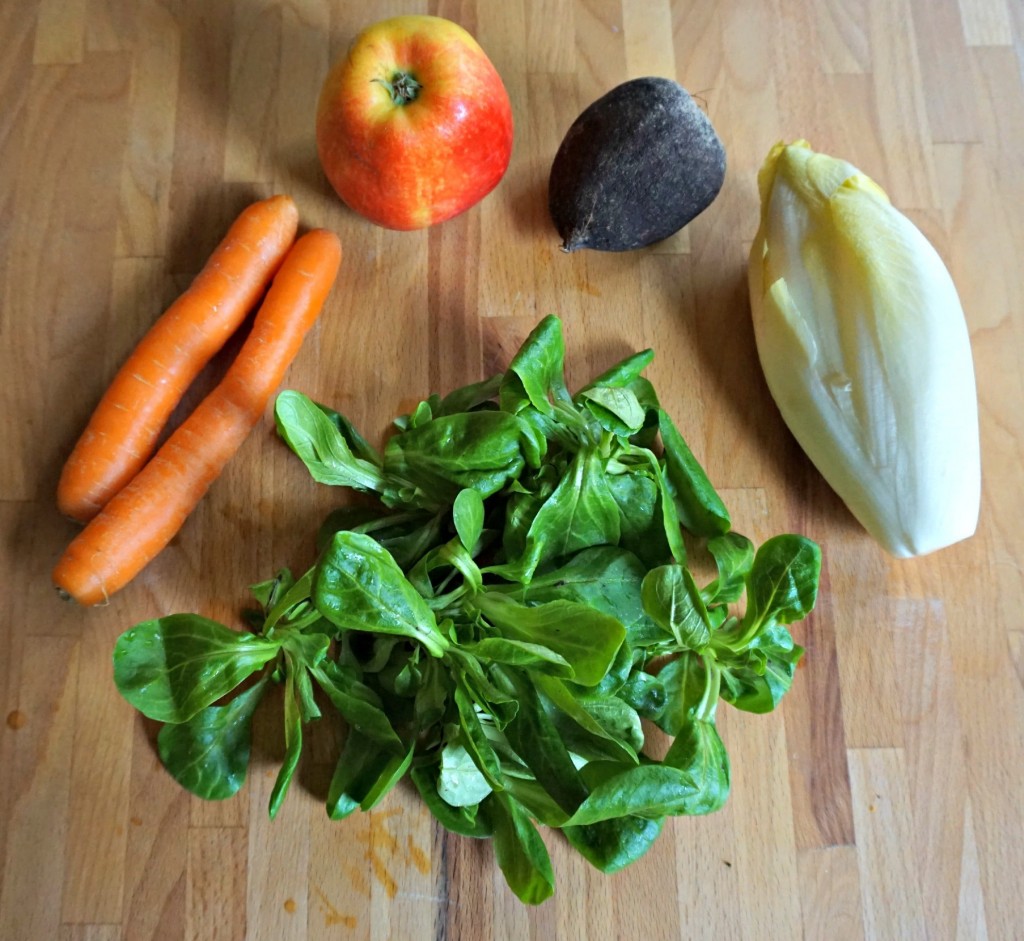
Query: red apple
<point>414,124</point>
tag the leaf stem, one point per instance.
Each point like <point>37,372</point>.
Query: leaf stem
<point>712,686</point>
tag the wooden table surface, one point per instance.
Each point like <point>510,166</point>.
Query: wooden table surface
<point>883,800</point>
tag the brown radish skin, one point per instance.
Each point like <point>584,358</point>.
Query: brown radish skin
<point>143,517</point>
<point>634,168</point>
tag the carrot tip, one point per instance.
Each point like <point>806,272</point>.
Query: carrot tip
<point>66,595</point>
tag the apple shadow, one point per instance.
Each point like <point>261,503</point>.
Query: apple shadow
<point>237,123</point>
<point>300,165</point>
<point>528,203</point>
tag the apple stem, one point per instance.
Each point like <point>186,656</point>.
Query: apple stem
<point>402,87</point>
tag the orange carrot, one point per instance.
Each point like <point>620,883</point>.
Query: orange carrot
<point>123,431</point>
<point>140,520</point>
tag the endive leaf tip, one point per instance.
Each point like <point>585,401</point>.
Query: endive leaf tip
<point>862,183</point>
<point>766,175</point>
<point>783,152</point>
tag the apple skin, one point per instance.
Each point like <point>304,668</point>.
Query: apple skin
<point>413,164</point>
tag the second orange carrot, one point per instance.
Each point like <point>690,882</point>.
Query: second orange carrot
<point>143,517</point>
<point>125,426</point>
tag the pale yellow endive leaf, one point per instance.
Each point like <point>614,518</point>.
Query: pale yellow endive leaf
<point>865,350</point>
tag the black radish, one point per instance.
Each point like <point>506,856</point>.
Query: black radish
<point>634,168</point>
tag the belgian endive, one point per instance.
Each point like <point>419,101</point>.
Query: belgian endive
<point>865,349</point>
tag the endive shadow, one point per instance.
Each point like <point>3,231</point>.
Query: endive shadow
<point>720,329</point>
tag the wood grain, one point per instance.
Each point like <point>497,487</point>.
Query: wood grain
<point>883,801</point>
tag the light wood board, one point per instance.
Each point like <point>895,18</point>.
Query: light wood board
<point>883,801</point>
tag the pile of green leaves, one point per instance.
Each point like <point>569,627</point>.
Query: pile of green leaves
<point>499,623</point>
